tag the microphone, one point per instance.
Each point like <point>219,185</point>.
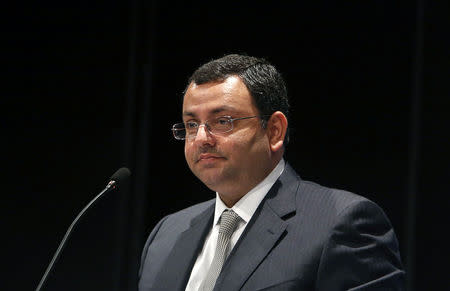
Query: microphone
<point>118,178</point>
<point>115,181</point>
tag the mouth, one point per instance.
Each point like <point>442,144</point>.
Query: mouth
<point>208,158</point>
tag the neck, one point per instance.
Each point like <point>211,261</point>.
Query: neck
<point>229,201</point>
<point>231,197</point>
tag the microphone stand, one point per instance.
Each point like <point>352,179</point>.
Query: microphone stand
<point>110,186</point>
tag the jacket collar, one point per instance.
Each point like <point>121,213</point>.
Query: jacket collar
<point>265,229</point>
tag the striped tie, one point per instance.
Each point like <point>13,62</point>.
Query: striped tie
<point>228,223</point>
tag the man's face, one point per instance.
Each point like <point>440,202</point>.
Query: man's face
<point>231,163</point>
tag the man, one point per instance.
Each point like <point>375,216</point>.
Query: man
<point>266,229</point>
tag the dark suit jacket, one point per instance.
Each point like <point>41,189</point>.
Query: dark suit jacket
<point>303,236</point>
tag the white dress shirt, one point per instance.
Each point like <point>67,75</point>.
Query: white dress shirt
<point>245,208</point>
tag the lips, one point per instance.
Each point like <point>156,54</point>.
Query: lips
<point>208,157</point>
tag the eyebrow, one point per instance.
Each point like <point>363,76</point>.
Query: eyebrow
<point>214,111</point>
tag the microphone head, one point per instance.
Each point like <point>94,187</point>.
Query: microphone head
<point>120,176</point>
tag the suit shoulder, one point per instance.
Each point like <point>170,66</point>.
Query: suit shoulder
<point>185,216</point>
<point>194,210</point>
<point>331,199</point>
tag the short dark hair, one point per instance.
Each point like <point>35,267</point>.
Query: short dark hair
<point>263,81</point>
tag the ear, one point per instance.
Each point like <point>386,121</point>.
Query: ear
<point>276,130</point>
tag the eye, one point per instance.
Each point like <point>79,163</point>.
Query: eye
<point>191,124</point>
<point>223,121</point>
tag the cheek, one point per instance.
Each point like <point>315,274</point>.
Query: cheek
<point>187,152</point>
<point>245,141</point>
<point>250,148</point>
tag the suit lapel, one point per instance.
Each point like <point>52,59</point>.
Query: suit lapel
<point>261,234</point>
<point>177,268</point>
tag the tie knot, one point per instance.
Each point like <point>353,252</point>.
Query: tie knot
<point>228,222</point>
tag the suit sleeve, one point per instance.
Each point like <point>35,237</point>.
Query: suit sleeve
<point>361,252</point>
<point>147,244</point>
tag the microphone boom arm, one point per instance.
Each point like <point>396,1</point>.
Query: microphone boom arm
<point>119,175</point>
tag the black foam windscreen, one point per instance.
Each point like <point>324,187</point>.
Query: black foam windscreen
<point>120,175</point>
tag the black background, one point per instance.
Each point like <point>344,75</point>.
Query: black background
<point>91,86</point>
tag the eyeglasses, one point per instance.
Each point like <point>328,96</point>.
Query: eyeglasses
<point>215,126</point>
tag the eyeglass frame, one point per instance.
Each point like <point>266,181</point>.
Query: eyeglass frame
<point>230,120</point>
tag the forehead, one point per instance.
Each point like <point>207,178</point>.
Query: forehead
<point>213,97</point>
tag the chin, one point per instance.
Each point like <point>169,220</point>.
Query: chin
<point>211,180</point>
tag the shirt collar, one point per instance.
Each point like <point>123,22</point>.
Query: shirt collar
<point>247,205</point>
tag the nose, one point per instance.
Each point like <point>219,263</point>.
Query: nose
<point>203,135</point>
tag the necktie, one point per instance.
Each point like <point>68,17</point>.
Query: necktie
<point>228,223</point>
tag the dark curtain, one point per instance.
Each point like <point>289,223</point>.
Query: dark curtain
<point>94,86</point>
